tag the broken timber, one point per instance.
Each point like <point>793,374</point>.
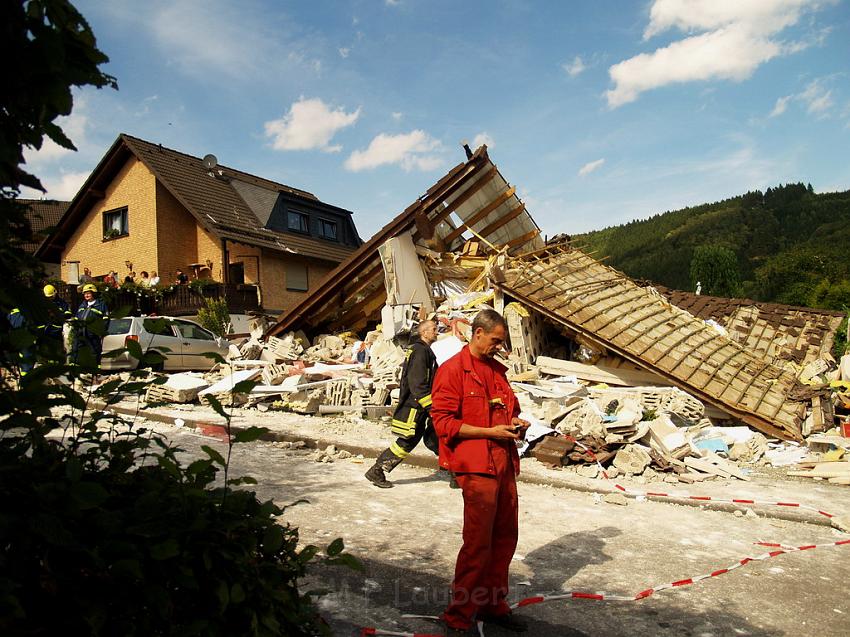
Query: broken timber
<point>473,192</point>
<point>595,301</point>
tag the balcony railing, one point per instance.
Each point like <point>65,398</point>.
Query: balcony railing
<point>181,300</point>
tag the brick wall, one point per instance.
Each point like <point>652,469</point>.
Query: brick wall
<point>134,187</point>
<point>177,236</point>
<point>250,257</point>
<point>209,249</point>
<point>276,298</point>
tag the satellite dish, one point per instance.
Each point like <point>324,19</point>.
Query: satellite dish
<point>210,161</point>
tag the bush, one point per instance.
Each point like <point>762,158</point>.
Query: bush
<point>115,536</point>
<point>103,531</point>
<point>215,316</point>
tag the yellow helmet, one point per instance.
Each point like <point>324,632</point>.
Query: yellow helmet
<point>49,291</point>
<point>90,287</point>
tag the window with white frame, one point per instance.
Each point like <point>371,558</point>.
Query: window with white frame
<point>115,223</point>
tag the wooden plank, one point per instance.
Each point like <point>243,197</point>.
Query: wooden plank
<point>478,216</point>
<point>598,374</point>
<point>357,307</point>
<point>464,196</point>
<point>522,239</point>
<point>507,218</point>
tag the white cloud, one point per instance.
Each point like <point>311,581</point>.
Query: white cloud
<point>706,15</point>
<point>734,37</point>
<point>575,67</point>
<point>344,51</point>
<point>396,115</point>
<point>483,138</point>
<point>817,98</point>
<point>412,150</point>
<point>780,106</point>
<point>62,187</point>
<point>309,124</point>
<point>74,127</point>
<point>589,167</point>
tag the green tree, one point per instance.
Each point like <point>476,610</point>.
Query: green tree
<point>215,316</point>
<point>104,530</point>
<point>48,48</point>
<point>716,269</point>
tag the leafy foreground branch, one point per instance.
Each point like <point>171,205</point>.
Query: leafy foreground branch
<point>107,532</point>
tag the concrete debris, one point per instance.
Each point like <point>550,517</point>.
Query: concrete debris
<point>674,399</point>
<point>632,459</point>
<point>616,498</point>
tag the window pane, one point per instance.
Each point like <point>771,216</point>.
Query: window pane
<point>297,221</point>
<point>118,326</point>
<point>328,229</point>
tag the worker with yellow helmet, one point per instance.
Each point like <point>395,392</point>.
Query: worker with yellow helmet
<point>59,312</point>
<point>92,321</point>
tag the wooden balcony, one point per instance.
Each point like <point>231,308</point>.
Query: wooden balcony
<point>182,300</point>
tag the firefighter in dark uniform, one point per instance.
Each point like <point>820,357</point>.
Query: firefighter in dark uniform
<point>18,321</point>
<point>92,322</point>
<point>58,312</point>
<point>412,417</point>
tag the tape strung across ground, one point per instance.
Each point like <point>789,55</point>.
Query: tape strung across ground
<point>778,549</point>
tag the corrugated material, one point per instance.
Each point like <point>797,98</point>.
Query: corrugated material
<point>774,331</point>
<point>637,323</point>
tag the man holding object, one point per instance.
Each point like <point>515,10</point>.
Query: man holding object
<point>475,415</point>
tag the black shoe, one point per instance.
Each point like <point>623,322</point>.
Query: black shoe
<point>376,476</point>
<point>508,621</point>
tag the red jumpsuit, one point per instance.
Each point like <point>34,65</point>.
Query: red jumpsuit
<point>476,392</point>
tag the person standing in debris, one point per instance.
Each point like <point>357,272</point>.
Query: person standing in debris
<point>92,323</point>
<point>476,417</point>
<point>412,417</point>
<point>58,313</point>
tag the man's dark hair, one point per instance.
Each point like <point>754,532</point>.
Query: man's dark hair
<point>488,320</point>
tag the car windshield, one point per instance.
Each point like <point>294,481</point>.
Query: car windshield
<point>119,326</point>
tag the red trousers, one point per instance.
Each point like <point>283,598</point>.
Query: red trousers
<point>490,527</point>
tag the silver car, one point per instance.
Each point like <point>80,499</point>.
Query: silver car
<point>186,341</point>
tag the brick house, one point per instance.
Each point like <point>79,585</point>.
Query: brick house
<point>160,210</point>
<point>43,214</point>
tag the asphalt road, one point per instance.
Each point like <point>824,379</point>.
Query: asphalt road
<point>407,538</point>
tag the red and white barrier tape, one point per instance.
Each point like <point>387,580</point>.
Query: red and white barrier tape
<point>366,632</point>
<point>701,498</point>
<point>605,597</point>
<point>779,549</point>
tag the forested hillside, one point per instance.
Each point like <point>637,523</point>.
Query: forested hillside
<point>787,245</point>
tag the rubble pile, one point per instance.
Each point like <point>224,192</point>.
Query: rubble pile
<point>648,383</point>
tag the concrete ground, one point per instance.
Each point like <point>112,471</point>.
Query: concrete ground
<point>407,538</point>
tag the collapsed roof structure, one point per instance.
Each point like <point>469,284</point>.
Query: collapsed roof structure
<point>472,195</point>
<point>571,291</point>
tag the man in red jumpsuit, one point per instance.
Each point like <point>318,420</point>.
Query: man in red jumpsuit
<point>475,415</point>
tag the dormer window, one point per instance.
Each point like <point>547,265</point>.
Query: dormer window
<point>298,221</point>
<point>327,229</point>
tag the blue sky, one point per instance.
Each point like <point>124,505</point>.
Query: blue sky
<point>599,112</point>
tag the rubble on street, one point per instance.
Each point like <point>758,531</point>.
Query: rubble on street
<point>615,376</point>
